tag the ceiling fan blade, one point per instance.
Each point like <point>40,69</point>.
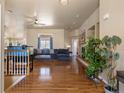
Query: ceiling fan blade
<point>32,20</point>
<point>32,17</point>
<point>39,23</point>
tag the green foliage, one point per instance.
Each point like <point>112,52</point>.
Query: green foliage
<point>109,52</point>
<point>116,40</point>
<point>105,53</point>
<point>90,70</point>
<point>116,56</point>
<point>111,41</point>
<point>91,48</point>
<point>110,44</point>
<point>102,54</point>
<point>93,54</point>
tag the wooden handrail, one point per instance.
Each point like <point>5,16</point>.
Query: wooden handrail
<point>84,63</point>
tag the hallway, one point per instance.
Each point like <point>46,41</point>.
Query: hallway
<point>55,77</point>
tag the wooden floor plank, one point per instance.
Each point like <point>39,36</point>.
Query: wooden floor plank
<point>53,76</point>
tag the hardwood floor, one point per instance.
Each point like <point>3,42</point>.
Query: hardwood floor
<point>56,77</point>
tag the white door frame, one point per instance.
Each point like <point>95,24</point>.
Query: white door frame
<point>1,46</point>
<point>74,46</point>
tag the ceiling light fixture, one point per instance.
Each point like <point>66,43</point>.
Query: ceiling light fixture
<point>64,2</point>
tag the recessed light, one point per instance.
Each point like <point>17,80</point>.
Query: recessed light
<point>64,2</point>
<point>106,16</point>
<point>77,16</point>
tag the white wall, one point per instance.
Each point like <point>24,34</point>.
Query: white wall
<point>14,27</point>
<point>72,35</point>
<point>57,34</point>
<point>92,20</point>
<point>114,25</point>
<point>66,38</point>
<point>75,33</point>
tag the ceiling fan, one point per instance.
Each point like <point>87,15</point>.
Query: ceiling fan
<point>31,20</point>
<point>34,21</point>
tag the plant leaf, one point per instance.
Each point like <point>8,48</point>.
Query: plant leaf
<point>116,56</point>
<point>116,40</point>
<point>107,41</point>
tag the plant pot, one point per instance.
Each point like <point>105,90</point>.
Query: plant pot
<point>108,89</point>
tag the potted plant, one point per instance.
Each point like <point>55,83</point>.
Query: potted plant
<point>111,55</point>
<point>93,54</point>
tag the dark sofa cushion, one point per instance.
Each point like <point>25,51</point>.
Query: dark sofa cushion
<point>62,51</point>
<point>55,51</point>
<point>62,54</point>
<point>45,51</point>
<point>37,51</point>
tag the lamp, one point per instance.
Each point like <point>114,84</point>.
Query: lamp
<point>68,47</point>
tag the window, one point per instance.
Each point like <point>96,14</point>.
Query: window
<point>45,42</point>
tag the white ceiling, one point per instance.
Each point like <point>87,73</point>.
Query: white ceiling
<point>52,12</point>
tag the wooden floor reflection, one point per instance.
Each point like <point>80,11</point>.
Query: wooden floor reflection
<point>56,77</point>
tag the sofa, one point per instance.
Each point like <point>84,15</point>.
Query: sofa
<point>60,54</point>
<point>42,53</point>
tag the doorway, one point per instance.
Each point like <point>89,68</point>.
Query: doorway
<point>74,46</point>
